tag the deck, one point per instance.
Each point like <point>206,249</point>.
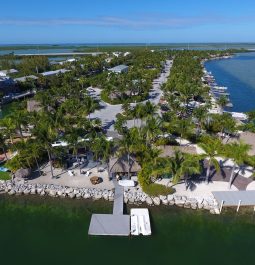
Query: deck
<point>116,224</point>
<point>235,198</point>
<point>109,225</point>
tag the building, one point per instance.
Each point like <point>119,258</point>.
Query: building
<point>4,73</point>
<point>7,85</point>
<point>122,166</point>
<point>33,105</point>
<point>25,78</point>
<point>56,72</point>
<point>119,69</point>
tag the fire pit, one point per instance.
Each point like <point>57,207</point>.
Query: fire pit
<point>96,180</point>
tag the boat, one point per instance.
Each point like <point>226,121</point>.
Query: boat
<point>126,183</point>
<point>140,222</point>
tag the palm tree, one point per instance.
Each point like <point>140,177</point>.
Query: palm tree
<point>19,119</point>
<point>222,101</point>
<point>238,152</point>
<point>183,166</point>
<point>211,148</point>
<point>152,128</point>
<point>45,133</point>
<point>125,147</point>
<point>3,145</point>
<point>35,150</point>
<point>9,128</point>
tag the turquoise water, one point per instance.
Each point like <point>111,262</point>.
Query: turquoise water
<point>238,74</point>
<point>53,231</point>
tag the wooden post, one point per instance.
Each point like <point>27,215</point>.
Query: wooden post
<point>221,205</point>
<point>239,203</point>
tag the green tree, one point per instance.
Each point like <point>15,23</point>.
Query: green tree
<point>212,148</point>
<point>238,152</point>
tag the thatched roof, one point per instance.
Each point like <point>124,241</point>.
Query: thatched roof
<point>120,164</point>
<point>169,151</point>
<point>245,137</point>
<point>33,105</point>
<point>22,173</point>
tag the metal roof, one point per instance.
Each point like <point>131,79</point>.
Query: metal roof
<point>24,78</point>
<point>233,198</point>
<point>60,71</point>
<point>119,68</point>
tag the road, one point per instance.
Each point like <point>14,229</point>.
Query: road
<point>107,113</point>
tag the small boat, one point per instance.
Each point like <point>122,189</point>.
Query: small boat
<point>140,222</point>
<point>126,183</point>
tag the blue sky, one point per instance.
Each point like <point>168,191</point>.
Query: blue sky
<point>129,21</point>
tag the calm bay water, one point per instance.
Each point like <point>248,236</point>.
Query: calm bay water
<point>53,231</point>
<point>238,74</point>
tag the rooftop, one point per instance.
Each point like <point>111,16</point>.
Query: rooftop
<point>25,78</point>
<point>119,68</point>
<point>60,71</point>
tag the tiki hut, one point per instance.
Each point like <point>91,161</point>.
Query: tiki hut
<point>22,173</point>
<point>120,165</point>
<point>169,151</point>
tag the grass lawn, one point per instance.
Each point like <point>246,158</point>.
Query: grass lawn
<point>5,176</point>
<point>157,189</point>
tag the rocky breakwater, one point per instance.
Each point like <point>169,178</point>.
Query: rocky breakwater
<point>13,188</point>
<point>136,196</point>
<point>131,195</point>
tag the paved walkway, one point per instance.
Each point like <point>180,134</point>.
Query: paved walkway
<point>118,199</point>
<point>107,113</point>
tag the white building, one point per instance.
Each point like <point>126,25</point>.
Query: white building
<point>119,69</point>
<point>50,73</point>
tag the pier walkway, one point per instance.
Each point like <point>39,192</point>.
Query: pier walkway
<point>116,224</point>
<point>118,199</point>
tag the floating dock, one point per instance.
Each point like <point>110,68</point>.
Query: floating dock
<point>109,225</point>
<point>116,224</point>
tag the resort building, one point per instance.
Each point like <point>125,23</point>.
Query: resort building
<point>56,72</point>
<point>7,72</point>
<point>7,84</point>
<point>119,69</point>
<point>25,78</point>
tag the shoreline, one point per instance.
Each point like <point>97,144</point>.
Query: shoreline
<point>132,196</point>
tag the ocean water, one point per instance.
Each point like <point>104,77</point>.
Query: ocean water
<point>238,74</point>
<point>37,230</point>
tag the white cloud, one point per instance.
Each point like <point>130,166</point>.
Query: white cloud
<point>142,23</point>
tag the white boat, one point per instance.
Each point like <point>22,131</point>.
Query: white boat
<point>126,183</point>
<point>140,222</point>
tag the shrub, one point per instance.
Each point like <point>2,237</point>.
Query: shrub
<point>5,176</point>
<point>154,189</point>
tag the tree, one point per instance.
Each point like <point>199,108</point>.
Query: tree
<point>184,166</point>
<point>125,147</point>
<point>45,133</point>
<point>3,145</point>
<point>222,101</point>
<point>211,147</point>
<point>238,152</point>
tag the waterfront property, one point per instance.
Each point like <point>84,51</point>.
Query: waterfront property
<point>56,72</point>
<point>119,69</point>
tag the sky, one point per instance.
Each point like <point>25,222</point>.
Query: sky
<point>126,21</point>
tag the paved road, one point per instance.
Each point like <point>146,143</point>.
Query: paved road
<point>108,112</point>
